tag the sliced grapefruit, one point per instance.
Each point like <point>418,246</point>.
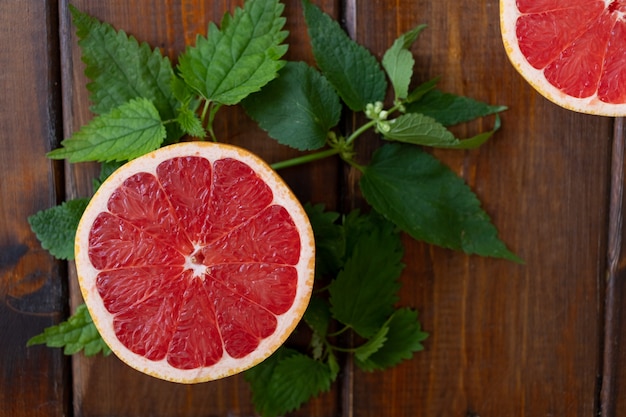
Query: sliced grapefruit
<point>195,261</point>
<point>573,52</point>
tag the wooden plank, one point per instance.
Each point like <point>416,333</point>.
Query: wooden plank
<point>105,386</point>
<point>506,339</point>
<point>614,358</point>
<point>33,381</point>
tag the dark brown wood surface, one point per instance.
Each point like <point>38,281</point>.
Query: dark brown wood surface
<point>539,339</point>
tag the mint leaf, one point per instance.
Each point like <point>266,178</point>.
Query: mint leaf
<point>298,108</point>
<point>231,63</point>
<point>330,239</point>
<point>429,201</point>
<point>450,109</point>
<point>286,380</point>
<point>121,69</point>
<point>126,132</point>
<point>351,69</point>
<point>76,334</point>
<point>403,337</point>
<point>365,290</point>
<point>56,227</point>
<point>398,62</point>
<point>419,129</point>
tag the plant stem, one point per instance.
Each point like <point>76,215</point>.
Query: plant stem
<point>305,158</point>
<point>360,131</point>
<point>213,110</point>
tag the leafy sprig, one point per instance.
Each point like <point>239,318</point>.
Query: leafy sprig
<point>142,102</point>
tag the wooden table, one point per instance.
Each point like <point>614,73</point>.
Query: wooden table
<point>538,339</point>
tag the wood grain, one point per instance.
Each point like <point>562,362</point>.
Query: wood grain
<point>33,381</point>
<point>506,339</point>
<point>541,338</point>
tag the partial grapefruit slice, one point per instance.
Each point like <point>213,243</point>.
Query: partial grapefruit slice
<point>573,52</point>
<point>195,261</point>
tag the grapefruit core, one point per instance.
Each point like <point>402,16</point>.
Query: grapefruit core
<point>573,52</point>
<point>195,261</point>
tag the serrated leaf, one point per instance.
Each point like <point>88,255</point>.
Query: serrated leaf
<point>398,62</point>
<point>76,334</point>
<point>284,382</point>
<point>241,57</point>
<point>430,202</point>
<point>126,132</point>
<point>367,349</point>
<point>190,123</point>
<point>330,239</point>
<point>419,129</point>
<point>56,227</point>
<point>298,109</point>
<point>365,290</point>
<point>333,365</point>
<point>354,72</point>
<point>449,109</point>
<point>121,69</point>
<point>404,337</point>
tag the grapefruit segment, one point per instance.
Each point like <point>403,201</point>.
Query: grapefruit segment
<point>570,51</point>
<point>197,341</point>
<point>195,261</point>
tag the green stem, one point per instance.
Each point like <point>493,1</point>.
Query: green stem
<point>305,159</point>
<point>338,332</point>
<point>207,103</point>
<point>360,131</point>
<point>214,108</point>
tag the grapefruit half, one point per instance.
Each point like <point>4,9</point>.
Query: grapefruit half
<point>573,52</point>
<point>195,261</point>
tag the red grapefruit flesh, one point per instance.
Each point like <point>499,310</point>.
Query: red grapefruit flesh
<point>195,261</point>
<point>572,51</point>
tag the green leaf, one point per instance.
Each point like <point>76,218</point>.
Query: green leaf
<point>450,109</point>
<point>419,91</point>
<point>56,227</point>
<point>430,202</point>
<point>106,169</point>
<point>76,334</point>
<point>126,132</point>
<point>286,380</point>
<point>364,292</point>
<point>351,69</point>
<point>241,57</point>
<point>121,69</point>
<point>298,108</point>
<point>330,239</point>
<point>190,123</point>
<point>419,129</point>
<point>367,349</point>
<point>317,315</point>
<point>404,336</point>
<point>398,62</point>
